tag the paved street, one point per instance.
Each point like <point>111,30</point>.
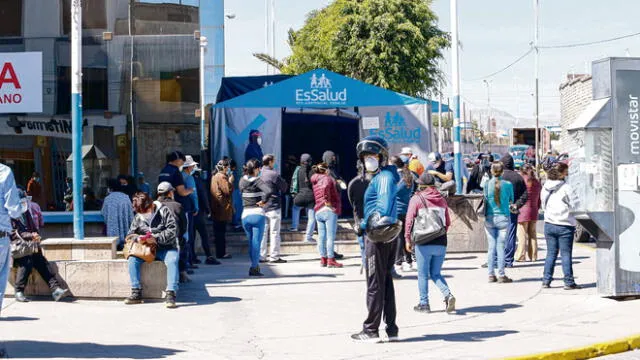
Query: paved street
<point>301,311</point>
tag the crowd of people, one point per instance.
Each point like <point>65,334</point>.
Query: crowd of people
<point>400,216</point>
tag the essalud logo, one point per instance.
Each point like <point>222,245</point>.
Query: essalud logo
<point>321,92</point>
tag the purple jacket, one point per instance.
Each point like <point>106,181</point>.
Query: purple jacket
<point>529,212</point>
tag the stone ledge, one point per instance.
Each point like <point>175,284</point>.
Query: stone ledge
<point>61,249</point>
<point>97,279</point>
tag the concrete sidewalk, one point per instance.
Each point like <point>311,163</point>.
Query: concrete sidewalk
<point>301,311</point>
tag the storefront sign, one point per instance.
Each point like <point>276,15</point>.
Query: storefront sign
<point>56,127</point>
<point>321,92</point>
<point>397,131</point>
<point>21,82</point>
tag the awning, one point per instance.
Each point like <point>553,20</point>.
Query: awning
<point>596,115</point>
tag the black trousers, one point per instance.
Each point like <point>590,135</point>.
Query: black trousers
<point>201,228</point>
<point>26,264</point>
<point>381,297</point>
<point>220,233</point>
<point>401,252</point>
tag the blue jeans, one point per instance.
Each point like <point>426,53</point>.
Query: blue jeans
<point>430,259</point>
<point>327,228</point>
<point>510,243</point>
<point>170,259</point>
<point>5,253</point>
<point>559,238</point>
<point>496,227</point>
<point>254,228</point>
<point>311,221</point>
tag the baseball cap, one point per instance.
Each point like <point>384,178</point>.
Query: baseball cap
<point>406,151</point>
<point>165,187</point>
<point>434,156</point>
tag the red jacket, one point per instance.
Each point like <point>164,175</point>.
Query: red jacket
<point>325,190</point>
<point>529,212</point>
<point>432,198</point>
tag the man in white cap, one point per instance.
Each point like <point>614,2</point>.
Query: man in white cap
<point>9,208</point>
<point>192,209</point>
<point>413,164</point>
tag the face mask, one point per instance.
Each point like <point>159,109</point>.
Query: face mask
<point>404,158</point>
<point>259,141</point>
<point>371,164</point>
<point>24,206</point>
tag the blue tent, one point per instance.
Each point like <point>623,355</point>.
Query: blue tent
<point>291,113</point>
<point>318,89</point>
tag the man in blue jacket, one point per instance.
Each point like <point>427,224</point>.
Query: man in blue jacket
<point>379,205</point>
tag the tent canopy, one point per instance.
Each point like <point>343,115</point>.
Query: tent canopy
<point>319,88</point>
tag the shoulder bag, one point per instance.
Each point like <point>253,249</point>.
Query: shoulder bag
<point>428,225</point>
<point>146,251</point>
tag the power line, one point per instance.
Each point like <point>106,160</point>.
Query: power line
<point>504,68</point>
<point>566,46</point>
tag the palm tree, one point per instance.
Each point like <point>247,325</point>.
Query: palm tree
<point>276,63</point>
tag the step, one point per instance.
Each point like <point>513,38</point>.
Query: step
<point>99,248</point>
<point>97,279</point>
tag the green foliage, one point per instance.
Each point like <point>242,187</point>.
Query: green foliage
<point>394,44</point>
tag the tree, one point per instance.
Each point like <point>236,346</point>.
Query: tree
<point>394,44</point>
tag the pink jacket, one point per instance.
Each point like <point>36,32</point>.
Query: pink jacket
<point>432,198</point>
<point>36,214</point>
<point>325,191</point>
<point>529,212</point>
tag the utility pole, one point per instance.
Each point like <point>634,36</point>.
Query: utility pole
<point>489,122</point>
<point>267,50</point>
<point>440,123</point>
<point>536,39</point>
<point>273,32</point>
<point>455,74</point>
<point>76,118</point>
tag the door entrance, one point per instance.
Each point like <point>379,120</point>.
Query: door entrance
<point>314,134</point>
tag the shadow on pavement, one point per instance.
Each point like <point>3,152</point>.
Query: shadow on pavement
<point>488,309</point>
<point>212,286</point>
<point>46,350</point>
<point>189,301</point>
<point>18,318</point>
<point>458,268</point>
<point>472,336</point>
<point>471,257</point>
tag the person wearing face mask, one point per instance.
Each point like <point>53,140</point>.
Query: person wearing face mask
<point>413,164</point>
<point>27,254</point>
<point>222,205</point>
<point>273,211</point>
<point>34,189</point>
<point>193,209</point>
<point>329,158</point>
<point>254,149</point>
<point>442,171</point>
<point>381,226</point>
<point>406,188</point>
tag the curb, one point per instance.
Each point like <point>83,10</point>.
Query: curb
<point>589,351</point>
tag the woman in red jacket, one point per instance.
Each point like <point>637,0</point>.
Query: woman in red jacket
<point>327,210</point>
<point>528,218</point>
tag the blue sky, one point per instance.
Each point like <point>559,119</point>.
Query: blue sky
<point>493,34</point>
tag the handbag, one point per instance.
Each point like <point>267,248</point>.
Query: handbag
<point>428,225</point>
<point>146,251</point>
<point>382,229</point>
<point>22,248</point>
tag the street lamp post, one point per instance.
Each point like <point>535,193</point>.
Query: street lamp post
<point>203,145</point>
<point>76,118</point>
<point>536,4</point>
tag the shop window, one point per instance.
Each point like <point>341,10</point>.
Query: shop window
<point>10,17</point>
<point>94,15</point>
<point>180,86</point>
<point>94,89</point>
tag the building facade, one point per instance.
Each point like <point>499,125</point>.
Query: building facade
<point>140,78</point>
<point>576,94</point>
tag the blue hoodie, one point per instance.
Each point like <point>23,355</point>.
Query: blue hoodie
<point>380,196</point>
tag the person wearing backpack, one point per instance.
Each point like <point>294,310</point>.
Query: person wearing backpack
<point>425,232</point>
<point>498,197</point>
<point>559,225</point>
